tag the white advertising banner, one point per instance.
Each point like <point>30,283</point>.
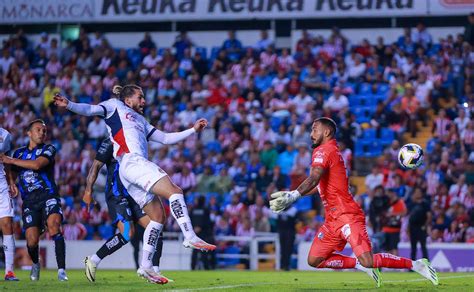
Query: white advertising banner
<point>84,11</point>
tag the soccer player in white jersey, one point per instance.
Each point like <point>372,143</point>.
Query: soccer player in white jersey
<point>8,190</point>
<point>144,180</point>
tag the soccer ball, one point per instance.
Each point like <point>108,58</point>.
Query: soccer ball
<point>410,156</point>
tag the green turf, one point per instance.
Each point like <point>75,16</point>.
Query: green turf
<point>241,281</point>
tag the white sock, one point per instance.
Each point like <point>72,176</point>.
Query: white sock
<point>180,213</point>
<point>9,248</point>
<point>360,267</point>
<point>156,269</point>
<point>95,259</point>
<point>150,239</point>
<point>61,271</point>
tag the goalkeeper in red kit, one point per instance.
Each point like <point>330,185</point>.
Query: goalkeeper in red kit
<point>344,220</point>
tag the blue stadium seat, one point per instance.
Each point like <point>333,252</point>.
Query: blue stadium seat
<point>161,51</point>
<point>304,204</point>
<point>369,133</point>
<point>202,51</point>
<point>387,136</point>
<point>383,88</point>
<point>365,88</point>
<point>275,123</point>
<point>214,146</point>
<point>214,53</point>
<point>363,113</point>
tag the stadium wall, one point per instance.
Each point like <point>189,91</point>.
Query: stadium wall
<point>449,257</point>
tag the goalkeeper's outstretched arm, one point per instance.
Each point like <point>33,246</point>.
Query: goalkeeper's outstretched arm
<point>78,108</point>
<point>282,200</point>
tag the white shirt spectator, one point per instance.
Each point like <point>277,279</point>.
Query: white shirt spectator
<point>373,180</point>
<point>97,129</point>
<point>301,103</point>
<point>357,70</point>
<point>5,63</point>
<point>337,103</point>
<point>423,91</point>
<point>149,61</point>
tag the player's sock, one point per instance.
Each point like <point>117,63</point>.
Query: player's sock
<point>33,251</point>
<point>150,239</point>
<point>386,260</point>
<point>9,249</point>
<point>109,247</point>
<point>60,249</point>
<point>157,255</point>
<point>338,261</point>
<point>180,213</point>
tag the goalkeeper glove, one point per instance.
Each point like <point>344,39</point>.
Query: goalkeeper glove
<point>282,200</point>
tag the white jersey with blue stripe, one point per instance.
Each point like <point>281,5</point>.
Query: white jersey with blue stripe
<point>5,143</point>
<point>129,131</point>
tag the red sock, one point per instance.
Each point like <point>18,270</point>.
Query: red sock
<point>338,261</point>
<point>386,260</point>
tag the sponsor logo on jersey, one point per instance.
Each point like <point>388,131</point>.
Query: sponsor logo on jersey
<point>51,202</point>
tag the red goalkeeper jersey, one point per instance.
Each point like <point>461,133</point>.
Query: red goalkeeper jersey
<point>334,184</point>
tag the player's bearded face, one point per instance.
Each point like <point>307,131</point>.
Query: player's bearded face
<point>137,101</point>
<point>316,135</point>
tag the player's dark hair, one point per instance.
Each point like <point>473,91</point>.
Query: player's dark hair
<point>36,121</point>
<point>328,123</point>
<point>125,91</point>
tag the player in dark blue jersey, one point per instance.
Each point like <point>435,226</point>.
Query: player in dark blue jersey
<point>33,166</point>
<point>123,209</point>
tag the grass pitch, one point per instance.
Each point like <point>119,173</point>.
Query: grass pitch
<point>240,281</point>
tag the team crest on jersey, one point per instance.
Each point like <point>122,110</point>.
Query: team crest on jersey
<point>28,219</point>
<point>320,235</point>
<point>38,151</point>
<point>28,156</point>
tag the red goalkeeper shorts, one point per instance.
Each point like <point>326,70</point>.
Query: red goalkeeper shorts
<point>334,235</point>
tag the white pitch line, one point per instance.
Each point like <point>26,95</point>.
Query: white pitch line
<point>262,284</point>
<point>420,280</point>
<point>220,287</point>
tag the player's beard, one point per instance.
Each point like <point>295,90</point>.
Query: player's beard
<point>316,142</point>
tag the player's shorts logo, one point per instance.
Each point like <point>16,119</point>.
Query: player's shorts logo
<point>346,231</point>
<point>51,202</point>
<point>320,235</point>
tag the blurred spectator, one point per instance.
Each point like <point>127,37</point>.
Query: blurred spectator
<point>200,216</point>
<point>419,220</point>
<point>264,41</point>
<point>232,45</point>
<point>286,231</point>
<point>393,221</point>
<point>74,230</point>
<point>146,44</point>
<point>374,179</point>
<point>181,43</point>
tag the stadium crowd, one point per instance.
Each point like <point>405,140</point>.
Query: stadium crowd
<point>260,103</point>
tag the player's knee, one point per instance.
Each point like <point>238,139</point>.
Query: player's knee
<point>314,262</point>
<point>32,240</point>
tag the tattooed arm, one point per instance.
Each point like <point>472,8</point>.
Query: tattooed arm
<point>282,200</point>
<point>311,181</point>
